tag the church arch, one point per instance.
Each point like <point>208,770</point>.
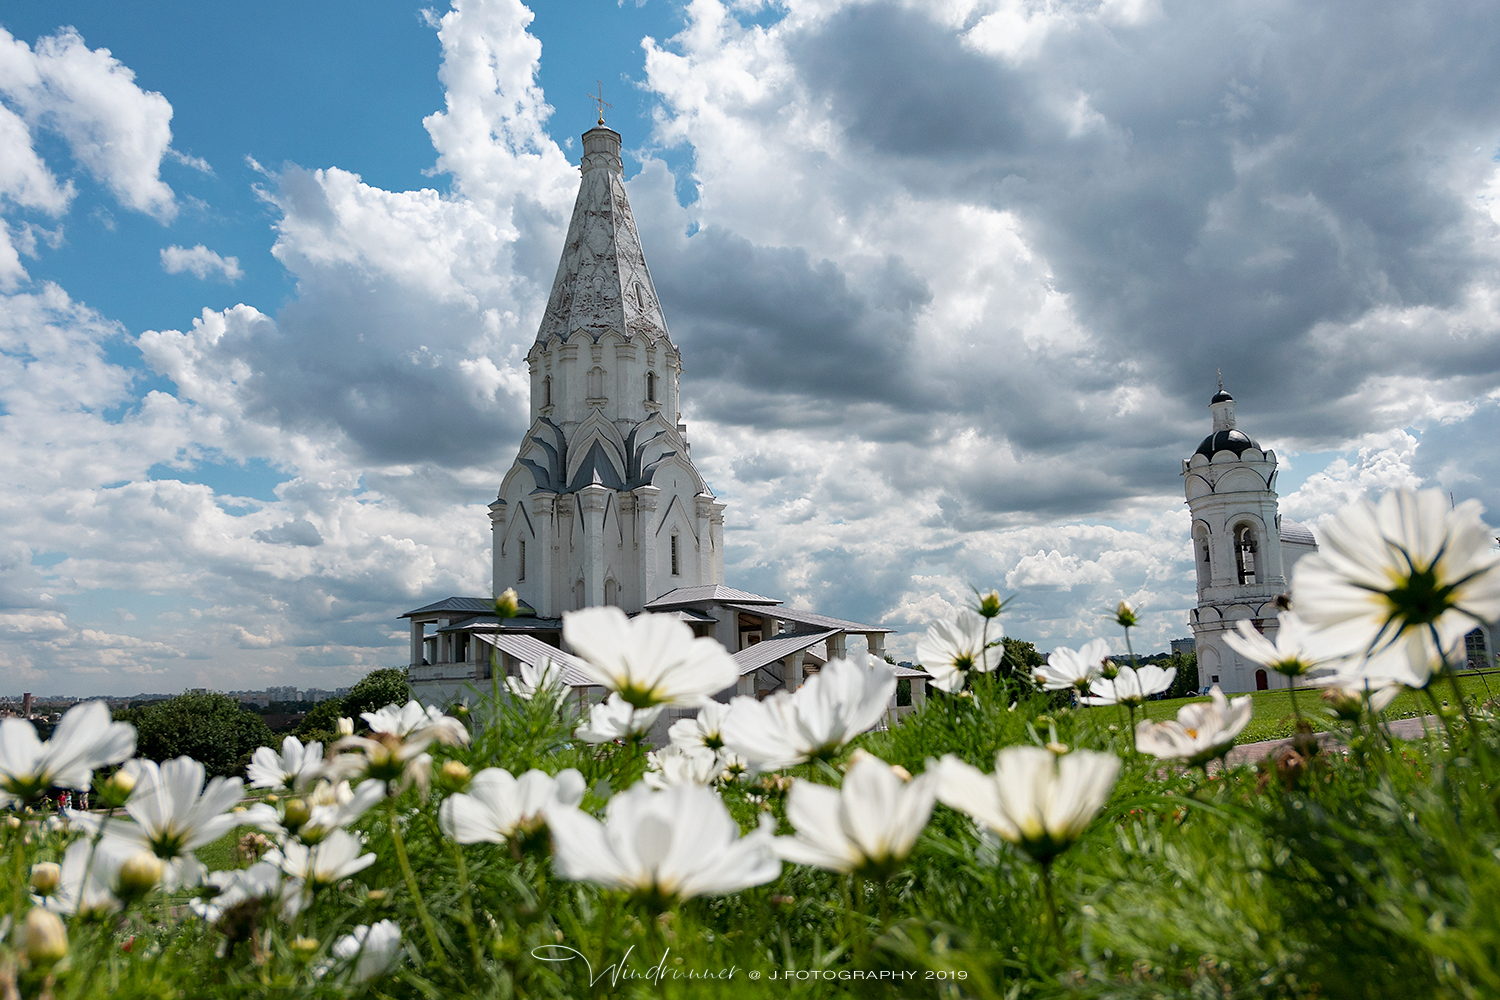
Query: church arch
<point>651,387</point>
<point>1247,554</point>
<point>1262,681</point>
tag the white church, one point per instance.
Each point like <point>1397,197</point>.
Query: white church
<point>603,504</point>
<point>1244,550</point>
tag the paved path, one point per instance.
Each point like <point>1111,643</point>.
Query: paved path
<point>1402,729</point>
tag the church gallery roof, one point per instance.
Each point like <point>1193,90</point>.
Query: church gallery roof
<point>467,606</point>
<point>712,592</point>
<point>1297,534</point>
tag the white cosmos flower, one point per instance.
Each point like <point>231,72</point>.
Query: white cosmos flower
<point>649,659</point>
<point>84,740</point>
<point>545,676</point>
<point>615,719</point>
<point>1203,730</point>
<point>172,814</point>
<point>677,843</point>
<point>499,807</point>
<point>395,752</point>
<point>97,890</point>
<point>869,825</point>
<point>707,730</point>
<point>1396,585</point>
<point>950,651</point>
<point>331,860</point>
<point>674,765</point>
<point>262,881</point>
<point>1070,668</point>
<point>1131,686</point>
<point>1292,654</point>
<point>293,770</point>
<point>1036,799</point>
<point>840,701</point>
<point>373,949</point>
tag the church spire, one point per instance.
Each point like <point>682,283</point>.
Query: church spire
<point>602,281</point>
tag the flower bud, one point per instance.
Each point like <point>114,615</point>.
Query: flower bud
<point>295,812</point>
<point>45,875</point>
<point>1109,670</point>
<point>1344,704</point>
<point>12,822</point>
<point>44,938</point>
<point>508,605</point>
<point>140,875</point>
<point>304,948</point>
<point>117,788</point>
<point>376,896</point>
<point>1126,616</point>
<point>990,604</point>
<point>346,726</point>
<point>454,775</point>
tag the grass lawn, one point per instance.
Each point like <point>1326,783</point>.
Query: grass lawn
<point>219,854</point>
<point>1274,719</point>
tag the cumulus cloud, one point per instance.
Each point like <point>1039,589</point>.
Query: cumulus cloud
<point>115,130</point>
<point>200,262</point>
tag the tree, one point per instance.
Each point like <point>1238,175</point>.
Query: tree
<point>322,723</point>
<point>1020,658</point>
<point>210,728</point>
<point>1185,684</point>
<point>378,689</point>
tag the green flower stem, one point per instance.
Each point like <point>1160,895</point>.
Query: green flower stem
<point>428,927</point>
<point>1291,687</point>
<point>18,879</point>
<point>466,893</point>
<point>1050,898</point>
<point>89,864</point>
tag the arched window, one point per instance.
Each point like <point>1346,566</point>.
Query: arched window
<point>611,592</point>
<point>651,387</point>
<point>578,596</point>
<point>676,557</point>
<point>547,391</point>
<point>596,383</point>
<point>1262,682</point>
<point>521,562</point>
<point>1245,551</point>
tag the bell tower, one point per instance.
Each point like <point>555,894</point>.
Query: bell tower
<point>1230,483</point>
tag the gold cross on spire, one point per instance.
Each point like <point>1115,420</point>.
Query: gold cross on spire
<point>599,100</point>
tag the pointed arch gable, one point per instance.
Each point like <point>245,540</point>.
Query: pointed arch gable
<point>681,510</point>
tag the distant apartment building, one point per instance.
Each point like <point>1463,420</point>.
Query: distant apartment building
<point>1182,647</point>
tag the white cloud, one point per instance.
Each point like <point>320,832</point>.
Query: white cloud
<point>201,262</point>
<point>116,130</point>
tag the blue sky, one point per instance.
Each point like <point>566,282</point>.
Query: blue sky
<point>951,282</point>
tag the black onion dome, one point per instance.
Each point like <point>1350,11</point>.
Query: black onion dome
<point>1235,441</point>
<point>1221,397</point>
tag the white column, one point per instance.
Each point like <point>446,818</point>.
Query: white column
<point>794,675</point>
<point>716,536</point>
<point>746,685</point>
<point>645,503</point>
<point>542,506</point>
<point>417,629</point>
<point>704,510</point>
<point>876,642</point>
<point>837,646</point>
<point>591,503</point>
<point>498,578</point>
